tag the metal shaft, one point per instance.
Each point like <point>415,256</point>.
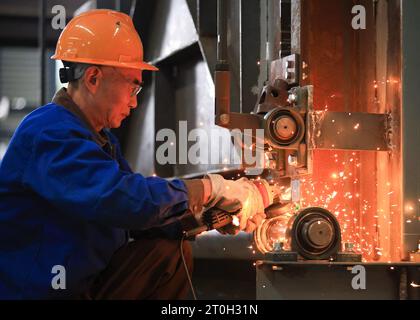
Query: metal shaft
<point>222,73</point>
<point>222,8</point>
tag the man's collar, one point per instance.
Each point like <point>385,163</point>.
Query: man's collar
<point>62,98</point>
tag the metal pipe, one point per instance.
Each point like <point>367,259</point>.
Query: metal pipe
<point>213,245</point>
<point>222,70</point>
<point>41,45</point>
<point>222,9</point>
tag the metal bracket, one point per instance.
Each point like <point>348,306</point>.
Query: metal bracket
<point>349,131</point>
<point>286,68</point>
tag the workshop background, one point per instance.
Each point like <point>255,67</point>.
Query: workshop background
<point>352,91</point>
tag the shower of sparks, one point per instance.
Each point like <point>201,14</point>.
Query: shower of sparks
<point>339,192</point>
<point>409,208</point>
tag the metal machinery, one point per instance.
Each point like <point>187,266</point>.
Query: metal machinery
<point>294,130</point>
<point>338,109</point>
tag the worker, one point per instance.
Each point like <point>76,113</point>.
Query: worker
<point>74,218</point>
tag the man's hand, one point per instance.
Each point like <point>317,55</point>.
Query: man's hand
<point>243,196</point>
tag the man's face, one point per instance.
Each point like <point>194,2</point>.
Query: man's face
<point>117,94</point>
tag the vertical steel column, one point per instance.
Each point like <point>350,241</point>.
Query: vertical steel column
<point>222,73</point>
<point>41,45</point>
<point>410,124</point>
<point>222,8</point>
<point>274,29</point>
<point>295,26</point>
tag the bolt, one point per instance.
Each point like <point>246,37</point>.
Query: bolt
<point>278,246</point>
<point>292,98</point>
<point>224,119</point>
<point>304,76</point>
<point>304,65</point>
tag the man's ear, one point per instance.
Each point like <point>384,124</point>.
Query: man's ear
<point>92,78</point>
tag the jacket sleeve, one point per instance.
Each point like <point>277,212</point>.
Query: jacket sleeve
<point>75,175</point>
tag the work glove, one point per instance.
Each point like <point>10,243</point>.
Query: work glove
<point>201,199</point>
<point>245,198</point>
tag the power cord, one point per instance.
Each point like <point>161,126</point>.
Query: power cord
<point>186,267</point>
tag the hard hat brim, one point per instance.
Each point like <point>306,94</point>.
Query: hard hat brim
<point>132,65</point>
<point>148,66</point>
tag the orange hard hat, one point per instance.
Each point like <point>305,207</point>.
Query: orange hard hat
<point>102,37</point>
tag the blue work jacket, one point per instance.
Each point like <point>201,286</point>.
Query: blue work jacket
<point>66,201</point>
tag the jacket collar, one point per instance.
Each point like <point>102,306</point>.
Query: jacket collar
<point>63,99</point>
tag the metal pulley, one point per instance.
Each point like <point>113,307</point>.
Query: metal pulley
<point>315,234</point>
<point>284,128</point>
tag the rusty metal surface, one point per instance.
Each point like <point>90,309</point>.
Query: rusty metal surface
<point>356,71</point>
<point>244,121</point>
<point>390,192</point>
<point>348,131</point>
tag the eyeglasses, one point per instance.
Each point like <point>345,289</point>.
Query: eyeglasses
<point>135,88</point>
